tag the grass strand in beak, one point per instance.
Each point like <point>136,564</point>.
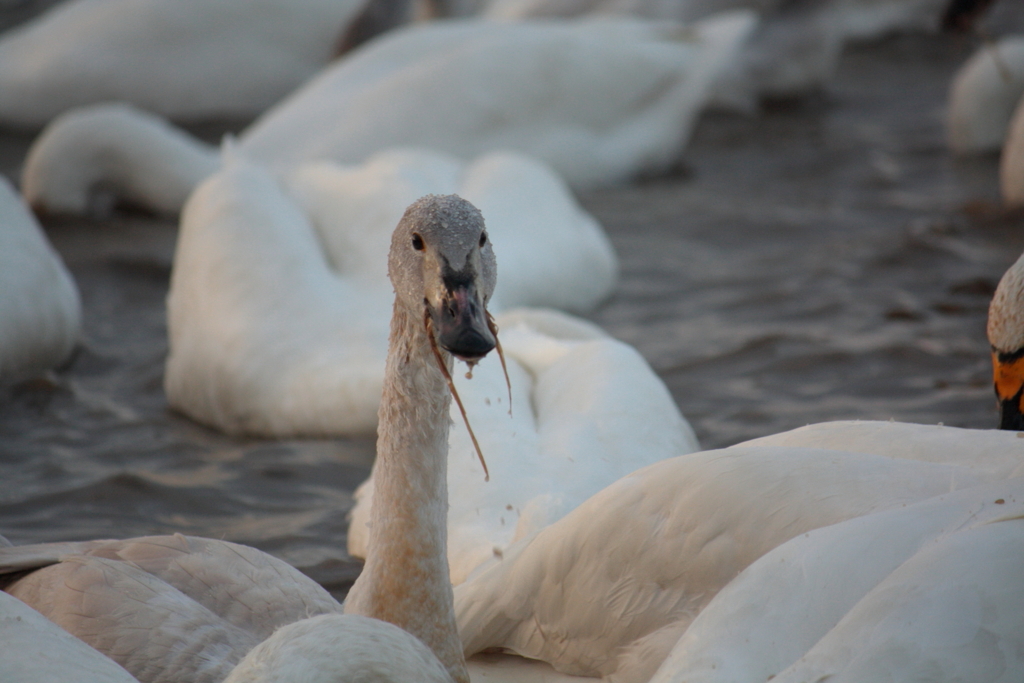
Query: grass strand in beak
<point>493,327</point>
<point>428,323</point>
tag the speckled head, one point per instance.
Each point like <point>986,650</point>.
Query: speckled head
<point>1006,335</point>
<point>441,259</point>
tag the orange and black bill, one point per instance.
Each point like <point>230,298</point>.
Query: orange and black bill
<point>1008,377</point>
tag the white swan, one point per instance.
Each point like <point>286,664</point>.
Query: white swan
<point>168,613</point>
<point>267,337</point>
<point>898,595</point>
<point>38,651</point>
<point>983,95</point>
<point>40,312</point>
<point>608,589</point>
<point>186,59</point>
<point>795,48</point>
<point>586,410</point>
<point>598,100</point>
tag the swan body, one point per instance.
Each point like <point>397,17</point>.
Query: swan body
<point>167,616</point>
<point>996,452</point>
<point>186,60</point>
<point>586,410</point>
<point>40,311</point>
<point>166,608</point>
<point>645,555</point>
<point>332,648</point>
<point>275,312</point>
<point>983,96</point>
<point>599,101</point>
<point>795,48</point>
<point>801,611</point>
<point>36,650</point>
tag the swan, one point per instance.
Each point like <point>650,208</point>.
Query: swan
<point>983,95</point>
<point>1006,336</point>
<point>795,48</point>
<point>182,609</point>
<point>874,598</point>
<point>274,312</point>
<point>586,410</point>
<point>40,310</point>
<point>608,589</point>
<point>38,651</point>
<point>599,101</point>
<point>187,60</point>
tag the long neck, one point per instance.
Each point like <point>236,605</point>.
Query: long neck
<point>405,580</point>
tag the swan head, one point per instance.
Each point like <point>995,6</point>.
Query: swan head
<point>1006,335</point>
<point>443,269</point>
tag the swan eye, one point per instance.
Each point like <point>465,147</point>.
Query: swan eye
<point>417,242</point>
<point>483,239</point>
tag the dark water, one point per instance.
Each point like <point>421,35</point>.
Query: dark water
<point>827,259</point>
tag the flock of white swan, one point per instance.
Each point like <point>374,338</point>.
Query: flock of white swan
<point>604,544</point>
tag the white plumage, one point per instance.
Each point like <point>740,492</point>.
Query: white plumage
<point>183,59</point>
<point>608,589</point>
<point>983,95</point>
<point>598,100</point>
<point>586,410</point>
<point>929,591</point>
<point>279,296</point>
<point>35,650</point>
<point>40,312</point>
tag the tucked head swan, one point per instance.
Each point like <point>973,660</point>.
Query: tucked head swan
<point>443,270</point>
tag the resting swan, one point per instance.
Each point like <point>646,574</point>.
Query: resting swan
<point>276,309</point>
<point>930,591</point>
<point>598,100</point>
<point>40,312</point>
<point>608,589</point>
<point>983,96</point>
<point>187,60</point>
<point>168,613</point>
<point>38,651</point>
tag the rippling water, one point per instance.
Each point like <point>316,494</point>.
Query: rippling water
<point>825,260</point>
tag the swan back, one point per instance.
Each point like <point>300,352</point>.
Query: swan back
<point>35,650</point>
<point>540,88</point>
<point>778,608</point>
<point>333,648</point>
<point>189,60</point>
<point>658,544</point>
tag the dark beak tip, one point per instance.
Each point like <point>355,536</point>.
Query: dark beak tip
<point>469,345</point>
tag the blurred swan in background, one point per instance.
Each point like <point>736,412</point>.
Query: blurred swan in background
<point>187,60</point>
<point>608,589</point>
<point>795,48</point>
<point>599,100</point>
<point>40,311</point>
<point>930,591</point>
<point>983,96</point>
<point>278,308</point>
<point>1011,163</point>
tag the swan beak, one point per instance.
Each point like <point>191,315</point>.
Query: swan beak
<point>1008,376</point>
<point>461,324</point>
